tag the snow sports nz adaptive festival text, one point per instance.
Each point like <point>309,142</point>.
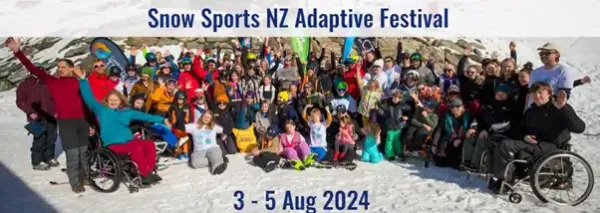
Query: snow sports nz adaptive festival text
<point>278,18</point>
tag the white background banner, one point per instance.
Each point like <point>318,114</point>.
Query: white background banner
<point>470,18</point>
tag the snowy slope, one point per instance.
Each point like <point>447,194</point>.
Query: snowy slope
<point>393,187</point>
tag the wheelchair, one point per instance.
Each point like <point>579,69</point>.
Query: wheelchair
<point>544,173</point>
<point>112,169</point>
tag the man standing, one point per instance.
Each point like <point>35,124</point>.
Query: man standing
<point>70,114</point>
<point>558,76</point>
<point>35,100</point>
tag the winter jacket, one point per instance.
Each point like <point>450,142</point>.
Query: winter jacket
<point>161,99</point>
<point>101,85</point>
<point>469,89</point>
<point>114,123</point>
<point>225,120</point>
<point>392,112</point>
<point>489,88</point>
<point>495,114</point>
<point>286,76</point>
<point>547,122</point>
<point>129,82</point>
<point>64,90</point>
<point>419,120</point>
<point>350,78</point>
<point>450,128</point>
<point>179,116</point>
<point>33,96</point>
<point>186,78</point>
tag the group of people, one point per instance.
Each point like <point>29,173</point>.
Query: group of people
<point>289,112</point>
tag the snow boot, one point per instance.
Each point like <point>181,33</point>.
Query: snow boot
<point>220,169</point>
<point>349,165</point>
<point>53,163</point>
<point>297,165</point>
<point>336,156</point>
<point>78,189</point>
<point>271,165</point>
<point>41,167</point>
<point>310,159</point>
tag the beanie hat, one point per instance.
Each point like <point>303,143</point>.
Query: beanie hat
<point>222,98</point>
<point>147,70</point>
<point>502,88</point>
<point>186,60</point>
<point>284,95</point>
<point>250,94</point>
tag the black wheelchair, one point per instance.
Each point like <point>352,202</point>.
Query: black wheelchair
<point>108,170</point>
<point>553,171</point>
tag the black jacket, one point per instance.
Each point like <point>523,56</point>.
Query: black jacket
<point>547,122</point>
<point>496,113</point>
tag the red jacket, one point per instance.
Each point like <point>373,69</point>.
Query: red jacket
<point>101,85</point>
<point>197,68</point>
<point>350,79</point>
<point>33,96</point>
<point>184,78</point>
<point>64,90</point>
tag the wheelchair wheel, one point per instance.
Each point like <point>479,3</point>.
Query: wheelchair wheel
<point>562,178</point>
<point>105,171</point>
<point>483,163</point>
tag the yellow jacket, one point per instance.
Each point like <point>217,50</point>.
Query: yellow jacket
<point>161,100</point>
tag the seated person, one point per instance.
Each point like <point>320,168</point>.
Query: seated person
<point>546,126</point>
<point>114,120</point>
<point>454,128</point>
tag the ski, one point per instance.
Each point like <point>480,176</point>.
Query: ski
<point>347,165</point>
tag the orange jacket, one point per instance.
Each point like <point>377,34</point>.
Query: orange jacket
<point>161,100</point>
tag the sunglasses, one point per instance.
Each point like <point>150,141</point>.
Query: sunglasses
<point>406,59</point>
<point>221,103</point>
<point>545,53</point>
<point>448,70</point>
<point>341,90</point>
<point>99,65</point>
<point>470,72</point>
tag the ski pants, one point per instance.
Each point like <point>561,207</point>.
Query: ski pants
<point>393,145</point>
<point>142,152</point>
<point>371,151</point>
<point>42,148</point>
<point>228,145</point>
<point>212,157</point>
<point>262,159</point>
<point>508,149</point>
<point>414,138</point>
<point>319,151</point>
<point>299,151</point>
<point>74,137</point>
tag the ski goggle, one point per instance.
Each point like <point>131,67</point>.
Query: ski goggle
<point>342,90</point>
<point>415,58</point>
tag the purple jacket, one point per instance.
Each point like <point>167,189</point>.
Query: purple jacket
<point>33,96</point>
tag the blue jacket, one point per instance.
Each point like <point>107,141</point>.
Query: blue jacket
<point>114,123</point>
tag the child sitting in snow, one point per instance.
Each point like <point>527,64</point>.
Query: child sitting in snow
<point>266,156</point>
<point>345,138</point>
<point>206,150</point>
<point>318,130</point>
<point>371,152</point>
<point>293,147</point>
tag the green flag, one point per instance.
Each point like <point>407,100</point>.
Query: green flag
<point>301,46</point>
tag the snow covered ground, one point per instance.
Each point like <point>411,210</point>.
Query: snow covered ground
<point>392,187</point>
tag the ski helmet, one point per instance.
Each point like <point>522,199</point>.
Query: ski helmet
<point>114,71</point>
<point>151,57</point>
<point>131,67</point>
<point>272,131</point>
<point>416,57</point>
<point>181,95</point>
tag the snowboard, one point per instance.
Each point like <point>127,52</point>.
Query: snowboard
<point>109,52</point>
